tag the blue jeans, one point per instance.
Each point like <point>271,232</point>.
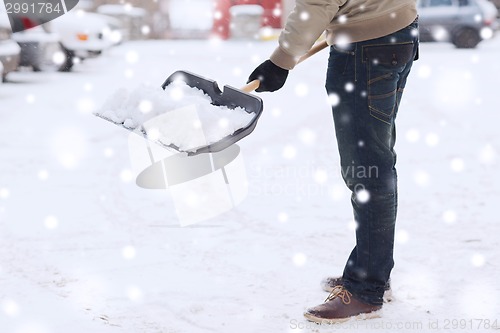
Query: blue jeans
<point>367,80</point>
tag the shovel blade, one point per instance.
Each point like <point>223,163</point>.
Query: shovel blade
<point>230,97</point>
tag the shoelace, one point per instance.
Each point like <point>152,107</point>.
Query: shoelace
<point>340,292</point>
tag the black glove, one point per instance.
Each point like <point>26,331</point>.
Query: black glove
<point>271,77</point>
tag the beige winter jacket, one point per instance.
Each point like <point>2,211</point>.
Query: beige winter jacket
<point>344,21</point>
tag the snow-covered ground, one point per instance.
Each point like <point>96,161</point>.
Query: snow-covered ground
<point>84,249</point>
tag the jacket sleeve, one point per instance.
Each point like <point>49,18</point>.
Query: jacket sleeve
<point>304,25</point>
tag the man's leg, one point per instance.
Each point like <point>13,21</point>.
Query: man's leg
<point>369,78</point>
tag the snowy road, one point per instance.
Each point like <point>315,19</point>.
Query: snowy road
<point>83,249</point>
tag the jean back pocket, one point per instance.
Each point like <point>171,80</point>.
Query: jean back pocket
<point>385,64</point>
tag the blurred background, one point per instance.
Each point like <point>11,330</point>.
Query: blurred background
<point>94,26</point>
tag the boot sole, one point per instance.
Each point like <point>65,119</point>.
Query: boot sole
<point>361,316</point>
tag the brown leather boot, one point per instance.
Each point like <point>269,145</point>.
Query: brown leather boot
<point>341,306</point>
<point>328,283</point>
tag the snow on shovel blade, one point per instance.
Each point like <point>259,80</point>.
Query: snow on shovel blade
<point>229,97</point>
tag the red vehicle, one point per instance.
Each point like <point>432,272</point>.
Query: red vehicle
<point>270,18</point>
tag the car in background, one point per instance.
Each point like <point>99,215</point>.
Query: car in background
<point>40,49</point>
<point>131,18</point>
<point>9,49</point>
<point>84,35</point>
<point>464,23</point>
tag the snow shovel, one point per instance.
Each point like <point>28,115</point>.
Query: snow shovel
<point>230,97</point>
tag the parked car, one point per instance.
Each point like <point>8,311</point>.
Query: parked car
<point>40,49</point>
<point>462,22</point>
<point>82,35</point>
<point>132,19</point>
<point>9,50</point>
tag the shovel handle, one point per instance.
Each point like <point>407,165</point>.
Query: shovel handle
<point>253,85</point>
<point>315,49</point>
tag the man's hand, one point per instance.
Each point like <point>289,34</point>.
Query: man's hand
<point>271,77</point>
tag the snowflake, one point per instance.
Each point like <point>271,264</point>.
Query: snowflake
<point>30,99</point>
<point>145,30</point>
<point>223,123</point>
<point>276,112</point>
<point>289,152</point>
<point>307,136</point>
<point>255,59</point>
<point>320,176</point>
<point>338,192</point>
<point>283,217</point>
<point>301,90</point>
<point>349,87</point>
<point>424,71</point>
<point>333,99</point>
<point>51,222</point>
<point>69,145</point>
<point>108,152</point>
<point>486,33</point>
<point>457,164</point>
<point>134,293</point>
<point>129,73</point>
<point>478,260</point>
<point>176,94</point>
<point>449,216</point>
<point>86,105</point>
<point>299,259</point>
<point>237,71</point>
<point>412,135</point>
<point>58,58</point>
<point>132,57</point>
<point>343,41</point>
<point>432,139</point>
<point>10,307</point>
<point>402,236</point>
<point>304,16</point>
<point>43,175</point>
<point>126,176</point>
<point>422,178</point>
<point>487,154</point>
<point>145,106</point>
<point>88,87</point>
<point>129,252</point>
<point>439,33</point>
<point>352,225</point>
<point>362,196</point>
<point>4,193</point>
<point>217,15</point>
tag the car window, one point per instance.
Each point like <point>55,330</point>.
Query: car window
<point>440,3</point>
<point>463,3</point>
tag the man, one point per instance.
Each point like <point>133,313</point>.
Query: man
<point>373,45</point>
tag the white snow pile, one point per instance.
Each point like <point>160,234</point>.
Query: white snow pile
<point>179,115</point>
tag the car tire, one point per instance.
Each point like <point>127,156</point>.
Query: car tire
<point>45,60</point>
<point>466,38</point>
<point>68,60</point>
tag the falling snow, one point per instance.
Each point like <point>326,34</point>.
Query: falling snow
<point>86,250</point>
